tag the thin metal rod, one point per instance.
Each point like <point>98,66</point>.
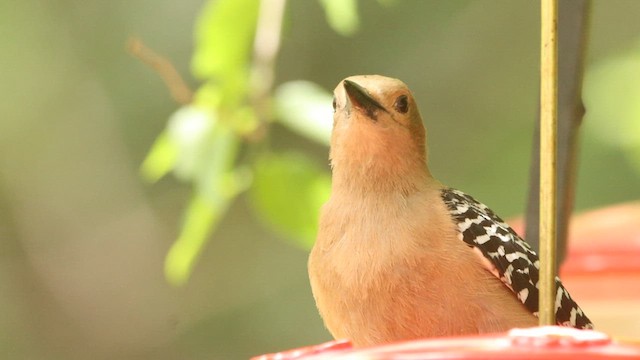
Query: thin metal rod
<point>573,33</point>
<point>548,138</point>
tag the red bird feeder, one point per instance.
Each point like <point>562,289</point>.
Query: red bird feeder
<point>548,342</point>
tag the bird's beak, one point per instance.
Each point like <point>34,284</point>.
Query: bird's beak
<point>360,98</point>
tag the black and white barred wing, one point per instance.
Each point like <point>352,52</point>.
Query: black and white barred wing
<point>511,258</point>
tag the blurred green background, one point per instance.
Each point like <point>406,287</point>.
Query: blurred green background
<point>83,239</point>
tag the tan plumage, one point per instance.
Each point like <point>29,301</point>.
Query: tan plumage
<point>388,264</point>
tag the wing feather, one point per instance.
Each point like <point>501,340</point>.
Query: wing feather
<point>512,259</point>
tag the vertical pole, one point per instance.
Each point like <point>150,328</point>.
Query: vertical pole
<point>573,30</point>
<point>548,137</point>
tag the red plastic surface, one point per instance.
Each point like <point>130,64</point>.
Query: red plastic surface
<point>601,265</point>
<point>549,342</point>
<point>324,349</point>
<point>605,240</point>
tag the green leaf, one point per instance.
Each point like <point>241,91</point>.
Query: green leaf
<point>305,108</point>
<point>200,218</point>
<point>217,163</point>
<point>216,185</point>
<point>287,193</point>
<point>190,130</point>
<point>160,160</point>
<point>223,39</point>
<point>342,15</point>
<point>208,96</point>
<point>245,120</point>
<point>207,150</point>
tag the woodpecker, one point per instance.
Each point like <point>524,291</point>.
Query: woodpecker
<point>401,256</point>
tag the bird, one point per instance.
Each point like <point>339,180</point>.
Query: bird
<point>398,254</point>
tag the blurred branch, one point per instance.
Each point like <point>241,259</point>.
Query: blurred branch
<point>178,88</point>
<point>265,49</point>
<point>572,37</point>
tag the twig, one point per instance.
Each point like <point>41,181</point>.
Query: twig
<point>265,50</point>
<point>178,88</point>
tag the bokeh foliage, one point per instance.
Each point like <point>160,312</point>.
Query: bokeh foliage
<point>612,93</point>
<point>202,142</point>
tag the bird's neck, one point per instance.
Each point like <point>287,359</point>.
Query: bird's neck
<point>365,161</point>
<point>372,178</point>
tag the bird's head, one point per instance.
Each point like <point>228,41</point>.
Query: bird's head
<point>377,128</point>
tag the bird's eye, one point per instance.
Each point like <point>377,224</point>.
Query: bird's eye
<point>402,104</point>
<point>334,104</point>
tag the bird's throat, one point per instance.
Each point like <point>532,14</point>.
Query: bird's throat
<point>372,178</point>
